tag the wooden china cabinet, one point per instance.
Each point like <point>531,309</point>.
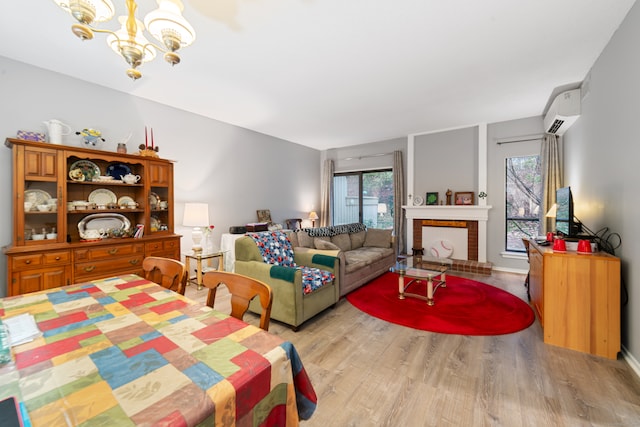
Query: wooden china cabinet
<point>63,195</point>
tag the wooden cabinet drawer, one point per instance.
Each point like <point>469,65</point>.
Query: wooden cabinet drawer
<point>153,247</point>
<point>105,252</point>
<point>55,258</point>
<point>25,262</point>
<point>107,267</point>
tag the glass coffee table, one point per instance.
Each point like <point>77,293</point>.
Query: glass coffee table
<point>421,268</point>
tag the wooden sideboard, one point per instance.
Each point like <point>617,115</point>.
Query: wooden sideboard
<point>577,299</point>
<point>41,171</point>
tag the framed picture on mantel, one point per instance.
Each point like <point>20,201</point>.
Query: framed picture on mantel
<point>464,198</point>
<point>432,198</point>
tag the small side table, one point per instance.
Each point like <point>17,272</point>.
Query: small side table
<point>200,269</point>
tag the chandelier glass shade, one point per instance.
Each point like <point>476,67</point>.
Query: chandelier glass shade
<point>166,24</point>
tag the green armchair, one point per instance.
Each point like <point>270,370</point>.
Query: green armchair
<point>291,305</point>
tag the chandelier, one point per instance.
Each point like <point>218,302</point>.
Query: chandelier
<point>166,24</point>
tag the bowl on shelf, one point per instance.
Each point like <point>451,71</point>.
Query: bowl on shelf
<point>37,236</point>
<point>52,236</point>
<point>44,208</point>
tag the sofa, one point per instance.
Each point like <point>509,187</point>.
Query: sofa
<point>303,283</point>
<point>364,253</point>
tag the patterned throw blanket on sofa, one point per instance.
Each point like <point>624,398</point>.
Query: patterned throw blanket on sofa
<point>276,250</point>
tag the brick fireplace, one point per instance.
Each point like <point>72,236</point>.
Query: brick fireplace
<point>473,219</point>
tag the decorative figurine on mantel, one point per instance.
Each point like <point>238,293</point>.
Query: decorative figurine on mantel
<point>146,149</point>
<point>448,193</point>
<point>91,137</point>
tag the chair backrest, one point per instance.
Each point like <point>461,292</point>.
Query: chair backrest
<point>293,223</point>
<point>166,272</point>
<point>243,289</point>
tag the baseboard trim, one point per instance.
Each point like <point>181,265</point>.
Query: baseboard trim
<point>510,270</point>
<point>632,361</point>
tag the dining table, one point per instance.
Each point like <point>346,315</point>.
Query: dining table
<point>125,351</point>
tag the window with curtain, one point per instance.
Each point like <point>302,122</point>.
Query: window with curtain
<point>523,200</point>
<point>364,196</point>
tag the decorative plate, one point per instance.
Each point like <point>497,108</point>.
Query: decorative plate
<point>155,223</point>
<point>102,196</point>
<point>36,197</point>
<point>154,200</point>
<point>124,201</point>
<point>116,170</point>
<point>105,222</point>
<point>88,169</point>
<point>418,201</point>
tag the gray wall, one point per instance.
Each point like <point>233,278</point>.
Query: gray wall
<point>601,160</point>
<point>234,170</point>
<point>446,160</point>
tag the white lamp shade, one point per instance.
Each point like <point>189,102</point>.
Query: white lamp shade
<point>103,9</point>
<point>168,18</point>
<point>313,215</point>
<point>196,215</point>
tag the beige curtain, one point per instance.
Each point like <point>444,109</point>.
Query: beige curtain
<point>552,176</point>
<point>398,198</point>
<point>326,193</point>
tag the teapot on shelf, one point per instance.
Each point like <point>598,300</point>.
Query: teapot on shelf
<point>130,178</point>
<point>92,234</point>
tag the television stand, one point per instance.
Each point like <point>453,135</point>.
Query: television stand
<point>577,299</point>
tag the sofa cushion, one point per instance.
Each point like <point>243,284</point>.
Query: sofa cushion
<point>364,256</point>
<point>378,238</point>
<point>343,241</point>
<point>323,243</point>
<point>304,239</point>
<point>357,239</point>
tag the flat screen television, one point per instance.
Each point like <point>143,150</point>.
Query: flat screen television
<point>565,224</point>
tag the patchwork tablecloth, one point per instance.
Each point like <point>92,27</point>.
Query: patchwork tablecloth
<point>125,351</point>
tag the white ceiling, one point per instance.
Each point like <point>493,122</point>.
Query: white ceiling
<point>333,73</point>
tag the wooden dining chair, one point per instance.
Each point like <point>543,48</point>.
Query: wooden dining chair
<point>242,289</point>
<point>166,272</point>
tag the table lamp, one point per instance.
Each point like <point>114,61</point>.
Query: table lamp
<point>313,216</point>
<point>196,215</point>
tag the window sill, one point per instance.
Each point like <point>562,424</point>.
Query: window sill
<point>514,255</point>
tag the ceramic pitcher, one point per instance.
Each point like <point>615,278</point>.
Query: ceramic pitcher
<point>55,129</point>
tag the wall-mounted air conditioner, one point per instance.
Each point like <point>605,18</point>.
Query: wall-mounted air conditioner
<point>563,112</point>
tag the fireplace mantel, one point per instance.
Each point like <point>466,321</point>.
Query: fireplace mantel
<point>449,212</point>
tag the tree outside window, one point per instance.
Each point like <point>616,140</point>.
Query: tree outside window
<point>523,200</point>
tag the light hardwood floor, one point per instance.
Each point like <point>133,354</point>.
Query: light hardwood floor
<point>367,372</point>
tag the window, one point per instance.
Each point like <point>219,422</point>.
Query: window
<point>365,197</point>
<point>523,199</point>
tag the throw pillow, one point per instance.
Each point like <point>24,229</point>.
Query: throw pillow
<point>357,239</point>
<point>304,240</point>
<point>325,244</point>
<point>378,238</point>
<point>342,241</point>
<point>293,238</point>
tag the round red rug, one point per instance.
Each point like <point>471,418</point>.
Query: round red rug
<point>464,307</point>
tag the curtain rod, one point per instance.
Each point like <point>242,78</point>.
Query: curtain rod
<point>367,156</point>
<point>524,138</point>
